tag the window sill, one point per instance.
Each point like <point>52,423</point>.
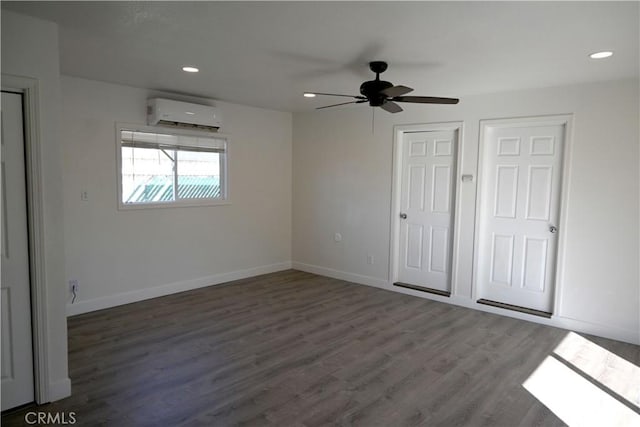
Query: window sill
<point>182,204</point>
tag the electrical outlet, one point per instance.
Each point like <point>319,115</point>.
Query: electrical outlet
<point>84,195</point>
<point>370,259</point>
<point>73,286</point>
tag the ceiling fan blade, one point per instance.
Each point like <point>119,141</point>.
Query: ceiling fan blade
<point>396,91</point>
<point>342,103</point>
<point>391,107</point>
<point>338,94</point>
<point>425,99</point>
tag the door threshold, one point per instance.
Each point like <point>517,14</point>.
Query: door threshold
<point>423,289</point>
<point>514,308</point>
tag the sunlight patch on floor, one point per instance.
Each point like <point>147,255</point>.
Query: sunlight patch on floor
<point>609,369</point>
<point>579,401</point>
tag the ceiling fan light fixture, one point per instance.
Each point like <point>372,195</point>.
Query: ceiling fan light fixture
<point>190,69</point>
<point>309,95</point>
<point>601,55</point>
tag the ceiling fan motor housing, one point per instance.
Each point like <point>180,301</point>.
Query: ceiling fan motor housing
<point>372,89</point>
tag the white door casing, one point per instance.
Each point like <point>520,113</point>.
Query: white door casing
<point>17,357</point>
<point>427,196</point>
<point>519,212</point>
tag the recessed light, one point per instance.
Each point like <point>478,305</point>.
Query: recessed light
<point>601,55</point>
<point>191,113</point>
<point>190,69</point>
<point>309,95</point>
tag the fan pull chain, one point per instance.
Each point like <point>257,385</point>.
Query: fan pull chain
<point>373,120</point>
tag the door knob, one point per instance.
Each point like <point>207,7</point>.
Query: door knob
<point>553,229</point>
<point>403,215</point>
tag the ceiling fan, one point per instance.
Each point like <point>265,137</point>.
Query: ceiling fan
<point>383,94</point>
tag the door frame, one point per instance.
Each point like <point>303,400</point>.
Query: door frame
<point>565,120</point>
<point>399,132</point>
<point>29,88</point>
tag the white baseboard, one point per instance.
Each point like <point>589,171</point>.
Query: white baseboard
<point>87,306</point>
<point>606,331</point>
<point>597,329</point>
<point>342,275</point>
<point>59,390</point>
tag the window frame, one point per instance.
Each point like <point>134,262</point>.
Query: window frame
<point>179,203</point>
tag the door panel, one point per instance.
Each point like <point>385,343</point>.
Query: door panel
<point>427,190</point>
<point>17,358</point>
<point>416,187</point>
<point>502,259</point>
<point>539,192</point>
<point>441,189</point>
<point>520,196</point>
<point>439,249</point>
<point>535,264</point>
<point>415,243</point>
<point>506,192</point>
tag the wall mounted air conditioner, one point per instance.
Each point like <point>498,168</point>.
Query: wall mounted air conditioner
<point>182,114</point>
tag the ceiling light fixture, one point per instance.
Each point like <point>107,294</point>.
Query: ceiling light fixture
<point>601,55</point>
<point>309,95</point>
<point>190,69</point>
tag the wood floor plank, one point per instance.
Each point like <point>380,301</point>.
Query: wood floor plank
<point>297,349</point>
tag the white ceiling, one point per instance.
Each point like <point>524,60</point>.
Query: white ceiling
<point>267,54</point>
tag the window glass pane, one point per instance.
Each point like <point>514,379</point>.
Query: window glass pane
<point>199,175</point>
<point>147,175</point>
<point>167,168</point>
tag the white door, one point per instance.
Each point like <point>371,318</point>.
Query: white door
<point>17,359</point>
<point>427,200</point>
<point>519,212</point>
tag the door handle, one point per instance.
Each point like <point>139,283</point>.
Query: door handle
<point>553,229</point>
<point>403,215</point>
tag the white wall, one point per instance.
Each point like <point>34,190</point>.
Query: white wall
<point>342,174</point>
<point>30,49</point>
<point>124,256</point>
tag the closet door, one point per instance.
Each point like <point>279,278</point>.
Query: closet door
<point>519,213</point>
<point>427,201</point>
<point>17,357</point>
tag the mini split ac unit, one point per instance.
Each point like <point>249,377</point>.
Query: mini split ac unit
<point>182,114</point>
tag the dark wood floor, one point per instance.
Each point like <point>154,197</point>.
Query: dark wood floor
<point>296,349</point>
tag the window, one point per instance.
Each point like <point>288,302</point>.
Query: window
<point>161,168</point>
